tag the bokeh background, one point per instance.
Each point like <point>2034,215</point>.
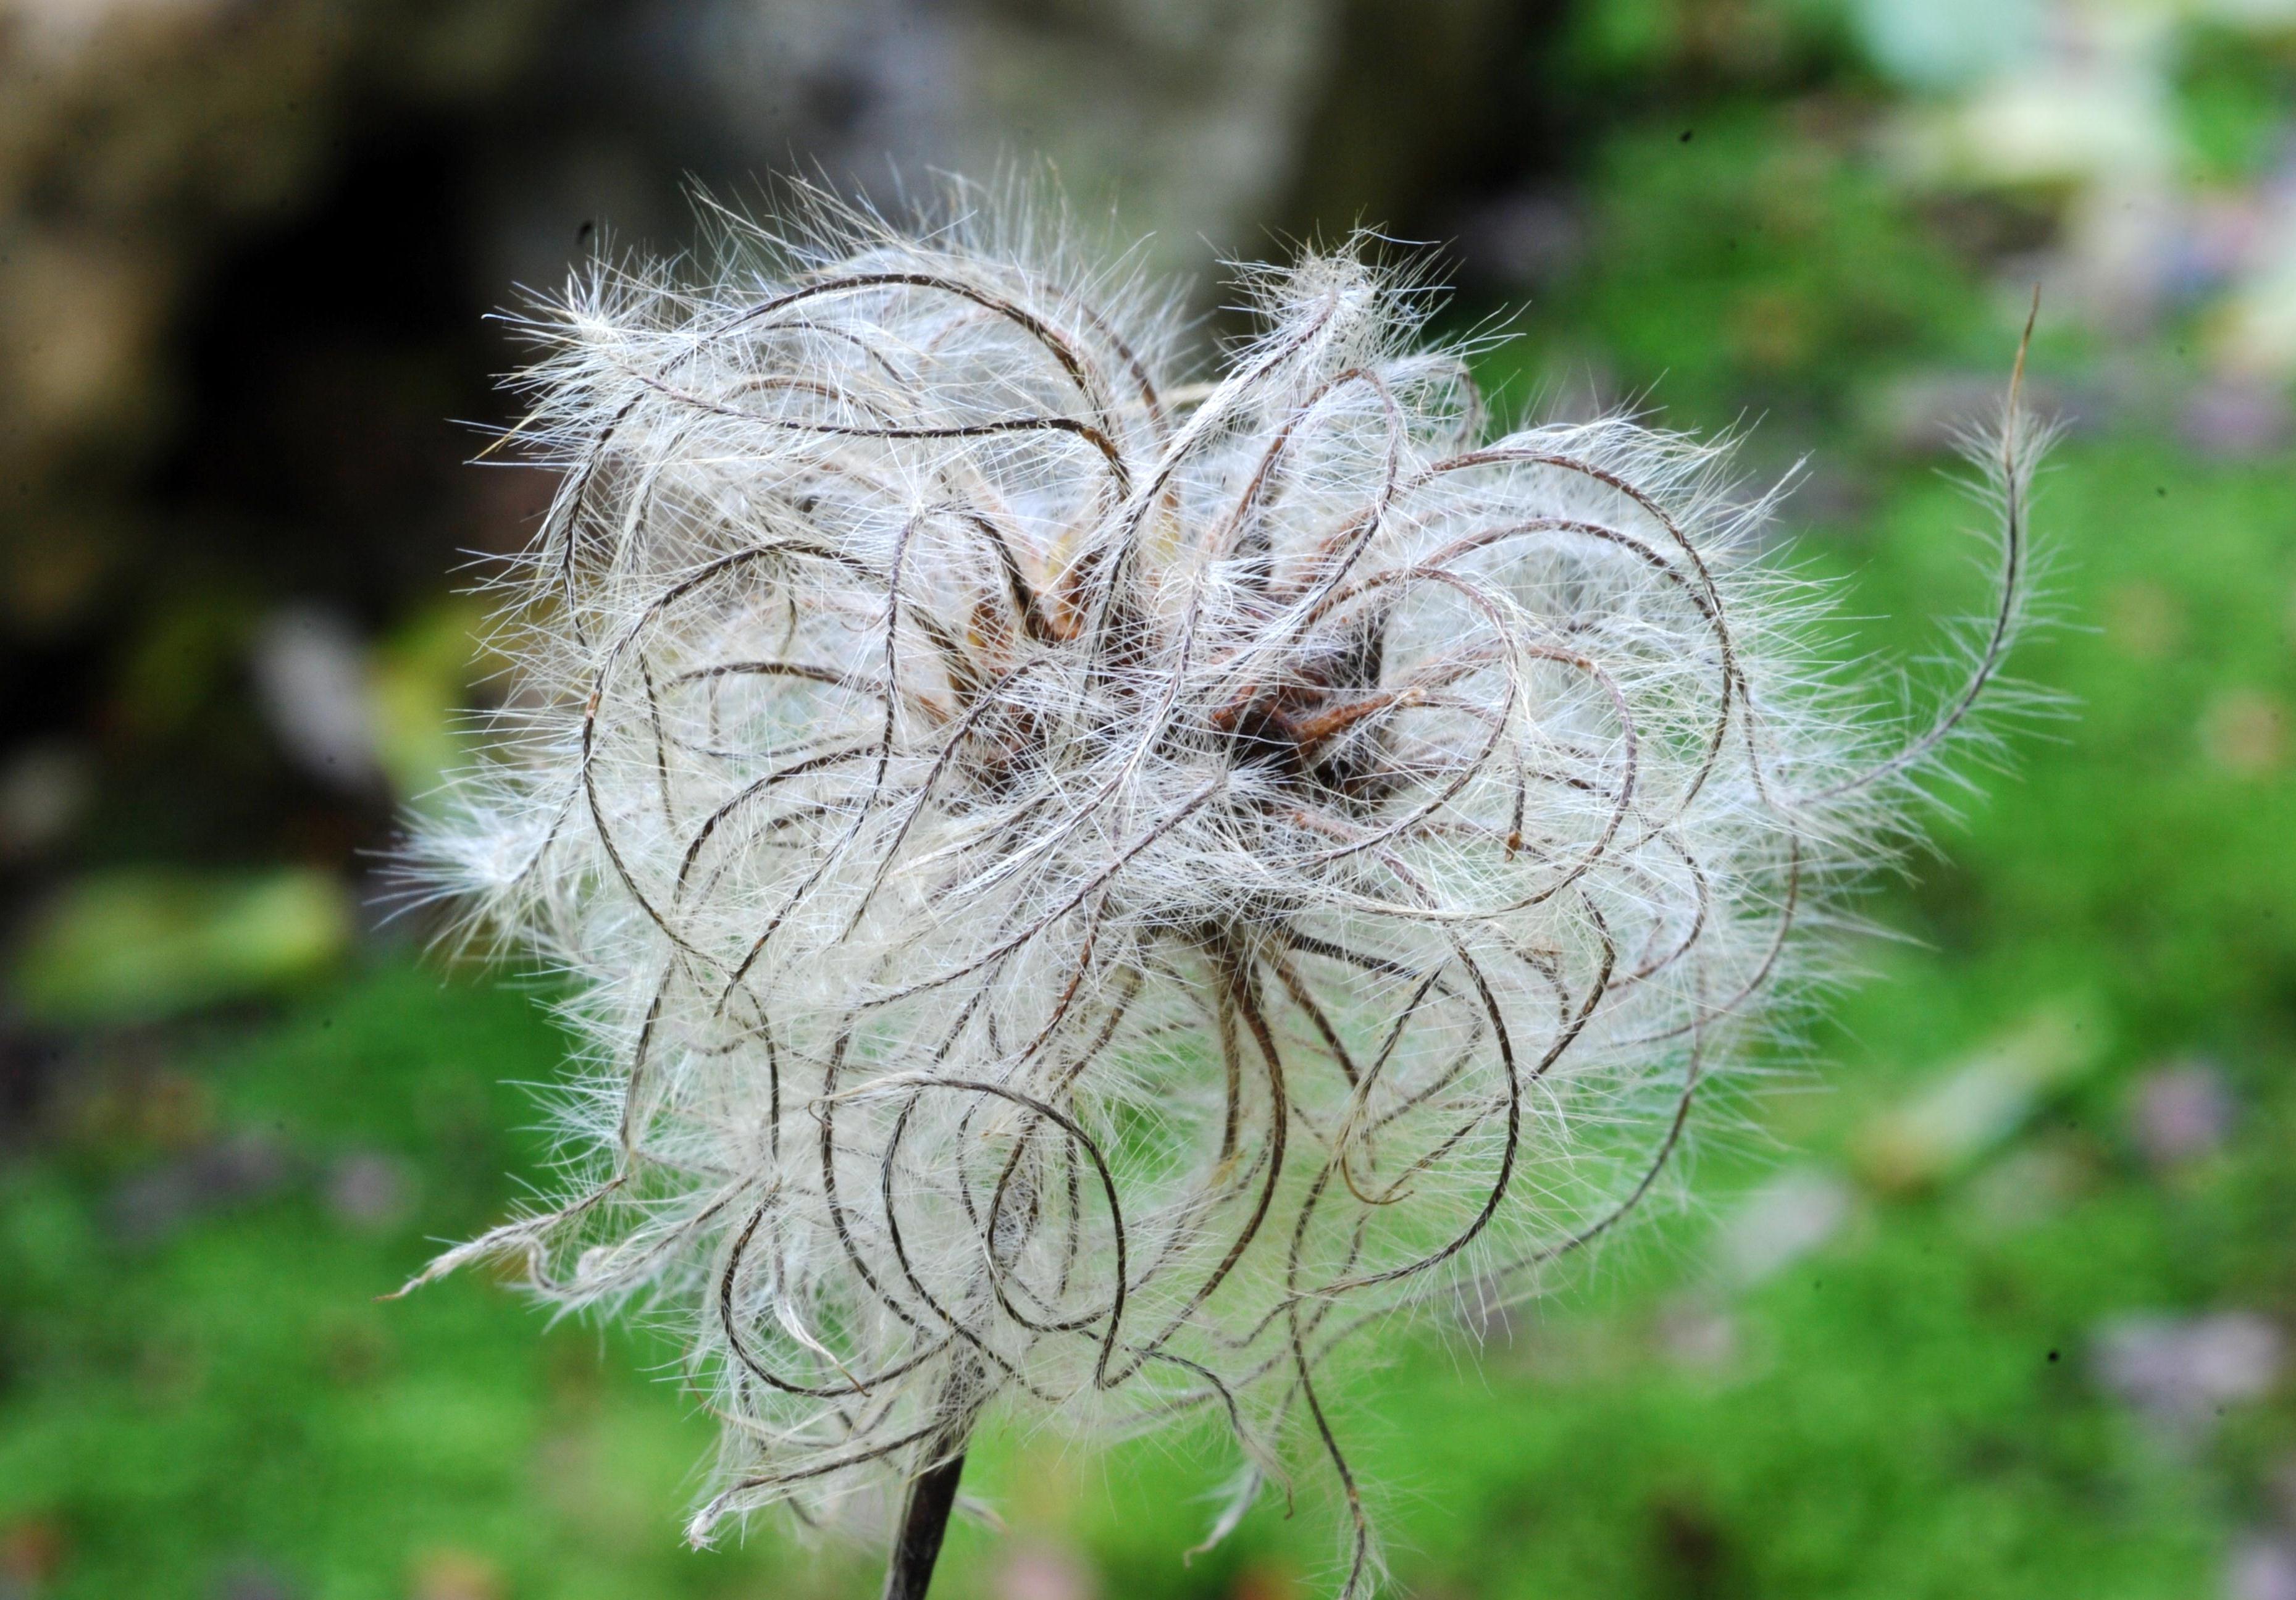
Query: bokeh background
<point>1989,1291</point>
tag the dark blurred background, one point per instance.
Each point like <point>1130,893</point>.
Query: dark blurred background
<point>1988,1292</point>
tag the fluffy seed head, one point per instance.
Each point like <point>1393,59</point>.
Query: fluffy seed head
<point>1088,889</point>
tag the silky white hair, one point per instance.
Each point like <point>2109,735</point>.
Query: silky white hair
<point>1086,890</point>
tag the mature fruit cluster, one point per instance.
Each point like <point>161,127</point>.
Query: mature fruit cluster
<point>1088,889</point>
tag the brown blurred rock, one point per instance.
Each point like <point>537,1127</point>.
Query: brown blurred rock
<point>136,138</point>
<point>1202,123</point>
<point>1190,118</point>
<point>245,250</point>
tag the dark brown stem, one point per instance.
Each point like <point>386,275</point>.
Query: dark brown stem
<point>933,1495</point>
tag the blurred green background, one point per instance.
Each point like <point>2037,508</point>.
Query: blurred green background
<point>1991,1277</point>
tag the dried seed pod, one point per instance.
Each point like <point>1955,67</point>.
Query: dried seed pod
<point>1086,890</point>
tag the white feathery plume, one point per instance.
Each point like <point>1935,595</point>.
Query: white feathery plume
<point>1086,890</point>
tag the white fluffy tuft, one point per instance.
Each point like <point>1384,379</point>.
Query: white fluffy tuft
<point>1086,890</point>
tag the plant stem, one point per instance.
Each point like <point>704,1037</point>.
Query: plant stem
<point>932,1495</point>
